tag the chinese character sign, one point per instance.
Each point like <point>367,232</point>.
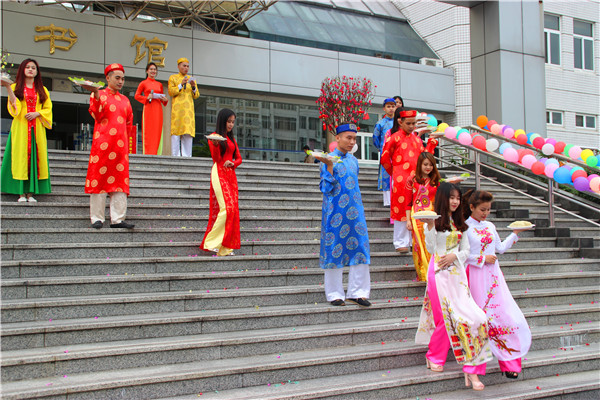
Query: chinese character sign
<point>53,37</point>
<point>155,48</point>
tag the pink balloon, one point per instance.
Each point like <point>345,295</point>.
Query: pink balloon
<point>575,152</point>
<point>332,146</point>
<point>592,176</point>
<point>510,155</point>
<point>450,133</point>
<point>549,170</point>
<point>595,184</point>
<point>464,139</point>
<point>509,133</point>
<point>551,141</point>
<point>528,160</point>
<point>496,129</point>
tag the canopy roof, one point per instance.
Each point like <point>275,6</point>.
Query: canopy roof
<point>214,16</point>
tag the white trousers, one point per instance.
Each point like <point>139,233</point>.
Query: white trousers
<point>402,235</point>
<point>118,207</point>
<point>359,283</point>
<point>386,198</point>
<point>181,145</point>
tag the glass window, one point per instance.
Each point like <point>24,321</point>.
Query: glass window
<point>583,45</point>
<point>554,117</point>
<point>552,39</point>
<point>585,121</point>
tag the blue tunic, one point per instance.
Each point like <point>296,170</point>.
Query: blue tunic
<point>344,236</point>
<point>384,125</point>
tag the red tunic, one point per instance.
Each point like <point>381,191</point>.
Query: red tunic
<point>152,118</point>
<point>108,168</point>
<point>229,190</point>
<point>399,158</point>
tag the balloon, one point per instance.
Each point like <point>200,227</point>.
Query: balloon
<point>562,175</point>
<point>490,123</point>
<point>332,146</point>
<point>567,149</point>
<point>551,141</point>
<point>538,142</point>
<point>509,133</point>
<point>482,121</point>
<point>538,168</point>
<point>575,152</point>
<point>522,139</point>
<point>590,177</point>
<point>547,149</point>
<point>585,154</point>
<point>479,142</point>
<point>464,138</point>
<point>582,184</point>
<point>432,121</point>
<point>528,160</point>
<point>442,127</point>
<point>595,184</point>
<point>492,144</point>
<point>553,161</point>
<point>578,173</point>
<point>519,132</point>
<point>592,161</point>
<point>549,170</point>
<point>496,129</point>
<point>559,147</point>
<point>450,133</point>
<point>354,149</point>
<point>503,147</point>
<point>511,155</point>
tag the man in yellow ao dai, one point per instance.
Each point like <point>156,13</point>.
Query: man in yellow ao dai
<point>183,90</point>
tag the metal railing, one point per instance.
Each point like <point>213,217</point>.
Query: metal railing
<point>552,190</point>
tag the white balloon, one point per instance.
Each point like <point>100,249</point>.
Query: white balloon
<point>548,149</point>
<point>492,144</point>
<point>354,149</point>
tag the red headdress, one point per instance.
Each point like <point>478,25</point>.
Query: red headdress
<point>113,67</point>
<point>408,114</point>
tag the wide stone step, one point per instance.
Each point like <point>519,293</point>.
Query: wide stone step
<point>220,375</point>
<point>87,235</point>
<point>56,361</point>
<point>44,287</point>
<point>422,384</point>
<point>198,210</point>
<point>138,250</point>
<point>202,298</point>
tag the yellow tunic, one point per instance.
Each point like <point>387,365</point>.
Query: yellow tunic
<point>19,136</point>
<point>183,119</point>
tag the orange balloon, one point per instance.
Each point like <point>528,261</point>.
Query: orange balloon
<point>482,121</point>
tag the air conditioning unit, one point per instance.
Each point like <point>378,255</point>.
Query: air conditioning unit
<point>432,62</point>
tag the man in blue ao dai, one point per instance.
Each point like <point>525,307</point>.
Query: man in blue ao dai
<point>344,236</point>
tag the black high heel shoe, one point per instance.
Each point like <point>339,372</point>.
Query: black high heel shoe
<point>511,374</point>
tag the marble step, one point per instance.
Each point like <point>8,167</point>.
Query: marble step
<point>194,298</point>
<point>221,375</point>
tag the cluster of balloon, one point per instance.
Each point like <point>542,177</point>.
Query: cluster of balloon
<point>550,167</point>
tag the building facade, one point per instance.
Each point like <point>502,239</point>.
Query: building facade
<point>270,81</point>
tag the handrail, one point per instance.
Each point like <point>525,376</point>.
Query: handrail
<point>513,141</point>
<point>551,191</point>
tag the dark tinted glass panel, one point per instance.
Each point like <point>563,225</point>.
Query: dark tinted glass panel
<point>582,28</point>
<point>551,22</point>
<point>577,52</point>
<point>588,53</point>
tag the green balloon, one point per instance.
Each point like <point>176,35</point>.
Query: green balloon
<point>591,161</point>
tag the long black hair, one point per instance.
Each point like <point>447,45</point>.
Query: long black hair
<point>396,125</point>
<point>442,207</point>
<point>37,81</point>
<point>222,118</point>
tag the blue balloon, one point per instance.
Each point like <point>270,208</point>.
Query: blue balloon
<point>552,161</point>
<point>562,175</point>
<point>503,147</point>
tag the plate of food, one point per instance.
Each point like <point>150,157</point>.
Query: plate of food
<point>521,225</point>
<point>458,178</point>
<point>321,154</point>
<point>6,78</point>
<point>85,82</point>
<point>425,215</point>
<point>216,136</point>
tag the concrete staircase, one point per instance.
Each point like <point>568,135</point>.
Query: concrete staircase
<point>143,314</point>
